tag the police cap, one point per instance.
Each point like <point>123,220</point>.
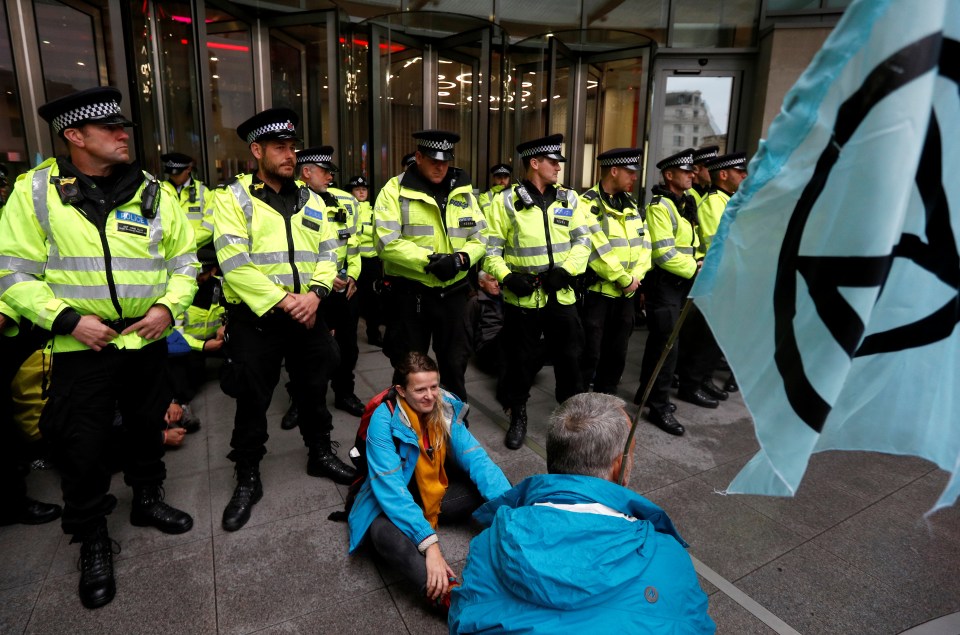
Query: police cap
<point>436,144</point>
<point>734,160</point>
<point>270,124</point>
<point>628,158</point>
<point>501,169</point>
<point>682,160</point>
<point>548,147</point>
<point>320,155</point>
<point>99,105</point>
<point>705,153</point>
<point>357,181</point>
<point>175,162</point>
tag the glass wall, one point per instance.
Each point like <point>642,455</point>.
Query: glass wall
<point>355,108</point>
<point>68,48</point>
<point>696,113</point>
<point>719,23</point>
<point>13,146</point>
<point>299,70</point>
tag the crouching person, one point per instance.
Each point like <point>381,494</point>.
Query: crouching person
<point>573,552</point>
<point>424,467</point>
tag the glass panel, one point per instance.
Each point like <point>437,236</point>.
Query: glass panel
<point>456,92</point>
<point>721,23</point>
<point>649,17</point>
<point>232,103</point>
<point>179,81</point>
<point>534,17</point>
<point>478,8</point>
<point>701,107</point>
<point>13,146</point>
<point>311,101</point>
<point>67,48</point>
<point>591,125</point>
<point>530,83</point>
<point>355,107</point>
<point>401,107</point>
<point>792,5</point>
<point>287,80</point>
<point>148,128</point>
<point>501,121</point>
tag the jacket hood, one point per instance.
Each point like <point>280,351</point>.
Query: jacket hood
<point>600,553</point>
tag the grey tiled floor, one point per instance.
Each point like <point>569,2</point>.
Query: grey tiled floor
<point>851,553</point>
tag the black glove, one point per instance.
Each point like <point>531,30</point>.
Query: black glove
<point>556,279</point>
<point>446,266</point>
<point>520,284</point>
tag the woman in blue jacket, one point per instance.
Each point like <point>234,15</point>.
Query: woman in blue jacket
<point>424,466</point>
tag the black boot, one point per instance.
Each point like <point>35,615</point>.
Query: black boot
<point>97,586</point>
<point>29,512</point>
<point>323,461</point>
<point>289,421</point>
<point>248,492</point>
<point>518,427</point>
<point>149,510</point>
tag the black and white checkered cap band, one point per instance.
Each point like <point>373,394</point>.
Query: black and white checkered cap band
<point>176,165</point>
<point>85,113</point>
<point>538,150</point>
<point>737,162</point>
<point>314,158</point>
<point>702,157</point>
<point>686,159</point>
<point>443,145</point>
<point>502,170</point>
<point>615,161</point>
<point>274,126</point>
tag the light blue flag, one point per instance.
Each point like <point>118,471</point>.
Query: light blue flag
<point>832,283</point>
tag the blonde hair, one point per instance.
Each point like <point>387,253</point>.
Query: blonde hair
<point>417,362</point>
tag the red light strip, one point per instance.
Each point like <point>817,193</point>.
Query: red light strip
<point>225,47</point>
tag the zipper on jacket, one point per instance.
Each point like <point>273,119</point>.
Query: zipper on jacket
<point>290,254</point>
<point>107,259</point>
<point>546,235</point>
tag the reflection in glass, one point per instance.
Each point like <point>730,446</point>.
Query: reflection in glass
<point>67,48</point>
<point>456,92</point>
<point>648,17</point>
<point>355,107</point>
<point>402,102</point>
<point>13,147</point>
<point>148,128</point>
<point>179,81</point>
<point>299,72</point>
<point>232,103</point>
<point>719,23</point>
<point>286,79</point>
<point>696,113</point>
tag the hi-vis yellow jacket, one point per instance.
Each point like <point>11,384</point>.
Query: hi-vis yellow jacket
<point>365,230</point>
<point>200,324</point>
<point>709,213</point>
<point>347,240</point>
<point>264,255</point>
<point>196,201</point>
<point>486,198</point>
<point>672,237</point>
<point>625,242</point>
<point>530,240</point>
<point>409,226</point>
<point>52,258</point>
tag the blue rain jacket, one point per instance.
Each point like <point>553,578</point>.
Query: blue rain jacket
<point>540,569</point>
<point>392,453</point>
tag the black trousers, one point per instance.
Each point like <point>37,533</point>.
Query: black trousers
<point>560,326</point>
<point>186,374</point>
<point>607,327</point>
<point>371,303</point>
<point>666,294</point>
<point>342,316</point>
<point>86,389</point>
<point>258,346</point>
<point>416,315</point>
<point>392,545</point>
<point>13,352</point>
<point>699,354</point>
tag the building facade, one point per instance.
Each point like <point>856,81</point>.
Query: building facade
<point>364,74</point>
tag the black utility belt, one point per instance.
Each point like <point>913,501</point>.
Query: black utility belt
<point>120,324</point>
<point>403,285</point>
<point>242,313</point>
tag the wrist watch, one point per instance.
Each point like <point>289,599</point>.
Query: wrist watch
<point>321,292</point>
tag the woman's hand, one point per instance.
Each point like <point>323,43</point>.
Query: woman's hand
<point>438,572</point>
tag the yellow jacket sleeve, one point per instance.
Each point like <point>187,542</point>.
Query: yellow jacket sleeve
<point>603,259</point>
<point>579,254</point>
<point>389,242</point>
<point>663,242</point>
<point>497,235</point>
<point>180,251</point>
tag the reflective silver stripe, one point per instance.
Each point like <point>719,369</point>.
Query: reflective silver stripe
<point>404,211</point>
<point>603,249</point>
<point>647,245</point>
<point>618,242</point>
<point>329,245</point>
<point>353,251</point>
<point>181,261</point>
<point>494,251</point>
<point>459,232</point>
<point>195,216</point>
<point>481,225</point>
<point>228,239</point>
<point>366,249</point>
<point>389,224</point>
<point>11,279</point>
<point>207,225</point>
<point>41,180</point>
<point>416,230</point>
<point>327,256</point>
<point>96,263</point>
<point>102,292</point>
<point>494,241</point>
<point>686,250</point>
<point>21,265</point>
<point>577,232</point>
<point>593,256</point>
<point>666,242</point>
<point>673,213</point>
<point>287,278</point>
<point>389,238</point>
<point>667,255</point>
<point>282,257</point>
<point>565,247</point>
<point>636,242</point>
<point>246,203</point>
<point>528,252</point>
<point>595,228</point>
<point>231,263</point>
<point>508,201</point>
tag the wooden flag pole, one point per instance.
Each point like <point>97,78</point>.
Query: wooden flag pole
<point>671,341</point>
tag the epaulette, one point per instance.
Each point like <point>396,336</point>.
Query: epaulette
<point>591,195</point>
<point>655,200</point>
<point>630,199</point>
<point>226,184</point>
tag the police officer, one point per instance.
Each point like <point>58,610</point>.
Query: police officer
<point>537,242</point>
<point>193,196</point>
<point>671,220</point>
<point>701,178</point>
<point>4,186</point>
<point>619,260</point>
<point>268,229</point>
<point>700,354</point>
<point>91,250</point>
<point>371,269</point>
<point>428,229</point>
<point>499,179</point>
<point>341,310</point>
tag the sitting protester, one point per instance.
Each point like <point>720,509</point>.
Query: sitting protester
<point>424,467</point>
<point>573,552</point>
